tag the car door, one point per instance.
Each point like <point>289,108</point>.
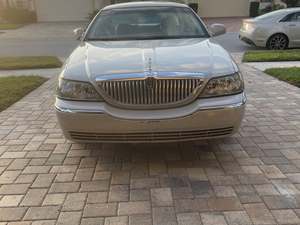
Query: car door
<point>292,26</point>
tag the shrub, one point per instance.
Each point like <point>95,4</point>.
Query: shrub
<point>271,8</point>
<point>19,16</point>
<point>254,9</point>
<point>291,3</point>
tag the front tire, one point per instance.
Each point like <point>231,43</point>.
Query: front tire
<point>278,42</point>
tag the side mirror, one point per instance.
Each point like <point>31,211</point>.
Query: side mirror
<point>217,29</point>
<point>78,32</point>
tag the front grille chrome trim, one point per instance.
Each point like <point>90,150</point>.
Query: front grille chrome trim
<point>137,75</point>
<point>150,91</point>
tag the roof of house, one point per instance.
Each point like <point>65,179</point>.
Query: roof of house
<point>143,4</point>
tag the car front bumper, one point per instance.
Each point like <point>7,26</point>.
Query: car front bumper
<point>253,38</point>
<point>101,122</point>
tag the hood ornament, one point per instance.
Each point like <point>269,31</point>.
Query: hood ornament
<point>150,79</point>
<point>150,82</point>
<point>150,65</point>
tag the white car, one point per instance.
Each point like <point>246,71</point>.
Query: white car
<point>276,30</point>
<point>149,72</point>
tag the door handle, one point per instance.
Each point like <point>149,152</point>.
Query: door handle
<point>292,25</point>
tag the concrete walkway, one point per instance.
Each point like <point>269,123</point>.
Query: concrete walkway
<point>43,31</point>
<point>40,72</point>
<point>266,65</point>
<point>55,39</point>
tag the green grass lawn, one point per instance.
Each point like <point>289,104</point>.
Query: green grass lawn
<point>272,56</point>
<point>14,88</point>
<point>9,26</point>
<point>290,75</point>
<point>29,62</point>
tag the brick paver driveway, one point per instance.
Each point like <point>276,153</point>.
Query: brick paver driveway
<point>253,177</point>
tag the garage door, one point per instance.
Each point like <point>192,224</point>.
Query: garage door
<point>63,10</point>
<point>224,8</point>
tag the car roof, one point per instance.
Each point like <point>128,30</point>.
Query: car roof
<point>144,4</point>
<point>293,9</point>
<point>276,15</point>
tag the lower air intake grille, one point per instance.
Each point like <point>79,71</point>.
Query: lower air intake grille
<point>151,137</point>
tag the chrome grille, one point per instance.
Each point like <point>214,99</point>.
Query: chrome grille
<point>150,91</point>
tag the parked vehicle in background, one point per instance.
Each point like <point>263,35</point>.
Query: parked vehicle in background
<point>276,30</point>
<point>149,72</point>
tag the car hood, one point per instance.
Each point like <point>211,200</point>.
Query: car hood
<point>92,60</point>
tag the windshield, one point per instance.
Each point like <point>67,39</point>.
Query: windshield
<point>146,23</point>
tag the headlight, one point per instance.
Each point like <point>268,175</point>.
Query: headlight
<point>248,27</point>
<point>76,90</point>
<point>227,85</point>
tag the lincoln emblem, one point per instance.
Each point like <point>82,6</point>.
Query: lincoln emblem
<point>150,82</point>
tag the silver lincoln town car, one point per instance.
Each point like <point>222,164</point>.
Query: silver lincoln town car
<point>149,72</point>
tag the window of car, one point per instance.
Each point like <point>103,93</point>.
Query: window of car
<point>293,17</point>
<point>270,15</point>
<point>146,23</point>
